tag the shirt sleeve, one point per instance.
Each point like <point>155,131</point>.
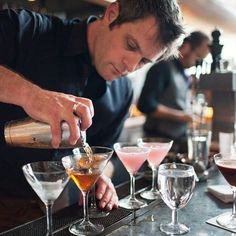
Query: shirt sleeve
<point>23,32</point>
<point>156,81</point>
<point>8,36</point>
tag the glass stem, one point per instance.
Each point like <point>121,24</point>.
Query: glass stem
<point>174,217</point>
<point>93,198</point>
<point>234,203</point>
<point>85,206</point>
<point>49,218</point>
<point>154,179</point>
<point>132,187</point>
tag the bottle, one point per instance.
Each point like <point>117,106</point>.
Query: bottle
<point>34,134</point>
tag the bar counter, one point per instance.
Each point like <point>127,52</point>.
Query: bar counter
<point>145,221</point>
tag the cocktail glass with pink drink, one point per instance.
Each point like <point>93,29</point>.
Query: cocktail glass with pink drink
<point>159,147</point>
<point>132,157</point>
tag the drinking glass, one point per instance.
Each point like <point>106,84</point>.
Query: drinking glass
<point>48,179</point>
<point>159,147</point>
<point>85,171</point>
<point>176,183</point>
<point>94,211</point>
<point>226,163</point>
<point>132,158</point>
<point>198,151</point>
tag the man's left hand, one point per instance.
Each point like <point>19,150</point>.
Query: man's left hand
<point>106,193</point>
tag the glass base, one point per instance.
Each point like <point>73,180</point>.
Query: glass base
<point>132,204</point>
<point>227,220</point>
<point>171,229</point>
<point>151,194</point>
<point>95,213</point>
<point>82,227</point>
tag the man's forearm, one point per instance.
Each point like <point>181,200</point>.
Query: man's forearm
<point>14,88</point>
<point>171,114</point>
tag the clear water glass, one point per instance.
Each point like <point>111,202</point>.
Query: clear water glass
<point>176,183</point>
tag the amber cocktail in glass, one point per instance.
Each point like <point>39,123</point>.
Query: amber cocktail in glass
<point>84,171</point>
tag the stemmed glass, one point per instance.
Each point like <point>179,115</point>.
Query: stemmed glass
<point>132,158</point>
<point>159,147</point>
<point>226,163</point>
<point>94,211</point>
<point>85,171</point>
<point>48,179</point>
<point>176,183</point>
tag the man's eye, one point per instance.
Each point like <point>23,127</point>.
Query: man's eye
<point>131,46</point>
<point>144,61</point>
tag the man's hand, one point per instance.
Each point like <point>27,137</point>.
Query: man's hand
<point>46,106</point>
<point>106,193</point>
<point>53,108</point>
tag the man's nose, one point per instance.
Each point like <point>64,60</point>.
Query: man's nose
<point>132,63</point>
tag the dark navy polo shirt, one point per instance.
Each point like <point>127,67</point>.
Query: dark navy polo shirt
<point>53,53</point>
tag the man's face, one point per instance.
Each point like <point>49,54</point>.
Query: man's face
<point>192,56</point>
<point>125,48</point>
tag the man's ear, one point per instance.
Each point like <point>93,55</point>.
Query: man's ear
<point>185,49</point>
<point>111,13</point>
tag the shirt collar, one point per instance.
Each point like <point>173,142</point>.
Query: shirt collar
<point>78,43</point>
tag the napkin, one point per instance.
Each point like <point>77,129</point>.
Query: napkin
<point>222,192</point>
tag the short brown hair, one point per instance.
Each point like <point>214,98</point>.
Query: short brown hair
<point>167,14</point>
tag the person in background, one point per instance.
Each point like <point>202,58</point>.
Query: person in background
<point>55,70</point>
<point>164,93</point>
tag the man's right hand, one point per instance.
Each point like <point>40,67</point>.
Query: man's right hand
<point>46,106</point>
<point>54,107</point>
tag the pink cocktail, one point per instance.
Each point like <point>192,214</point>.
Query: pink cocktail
<point>157,152</point>
<point>132,158</point>
<point>159,147</point>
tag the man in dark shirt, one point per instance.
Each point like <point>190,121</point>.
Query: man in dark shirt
<point>80,61</point>
<point>163,97</point>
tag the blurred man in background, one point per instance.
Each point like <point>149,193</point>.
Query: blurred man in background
<point>164,94</point>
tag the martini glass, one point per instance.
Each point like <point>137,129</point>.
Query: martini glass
<point>85,171</point>
<point>132,158</point>
<point>159,147</point>
<point>94,211</point>
<point>226,163</point>
<point>48,179</point>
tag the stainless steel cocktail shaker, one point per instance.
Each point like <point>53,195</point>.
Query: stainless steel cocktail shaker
<point>34,134</point>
